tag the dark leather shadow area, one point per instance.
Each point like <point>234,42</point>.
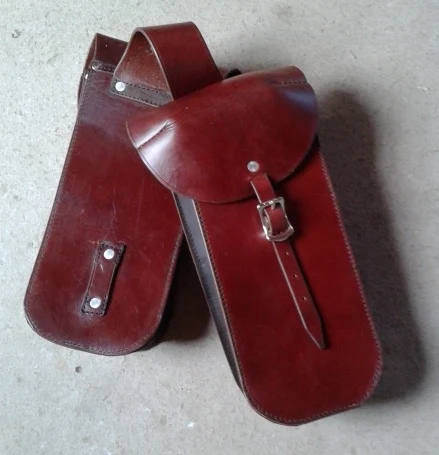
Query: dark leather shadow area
<point>348,131</point>
<point>187,316</point>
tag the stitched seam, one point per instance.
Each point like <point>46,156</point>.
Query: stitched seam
<point>378,369</point>
<point>103,308</point>
<point>137,98</point>
<point>130,97</point>
<point>148,89</point>
<point>357,277</point>
<point>225,306</point>
<point>102,311</point>
<point>218,290</point>
<point>170,276</point>
<point>296,265</point>
<point>43,249</point>
<point>292,82</point>
<point>103,66</point>
<point>221,291</point>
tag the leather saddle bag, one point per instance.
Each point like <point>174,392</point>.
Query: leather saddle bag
<point>242,160</point>
<point>107,260</point>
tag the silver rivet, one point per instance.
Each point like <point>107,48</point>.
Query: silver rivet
<point>109,253</point>
<point>120,86</point>
<point>95,302</point>
<point>253,166</point>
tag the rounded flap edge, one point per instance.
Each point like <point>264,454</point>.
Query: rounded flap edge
<point>210,144</point>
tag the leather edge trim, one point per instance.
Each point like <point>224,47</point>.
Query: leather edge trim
<point>132,348</point>
<point>42,251</point>
<point>379,362</point>
<point>187,210</point>
<point>377,373</point>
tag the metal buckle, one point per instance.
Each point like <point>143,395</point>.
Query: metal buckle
<point>278,202</point>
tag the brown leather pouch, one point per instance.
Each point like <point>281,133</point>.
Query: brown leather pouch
<point>102,276</point>
<point>257,206</point>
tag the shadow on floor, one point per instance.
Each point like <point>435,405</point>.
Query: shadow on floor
<point>347,136</point>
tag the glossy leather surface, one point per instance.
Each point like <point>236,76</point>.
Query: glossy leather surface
<point>285,377</point>
<point>211,135</point>
<point>301,295</point>
<point>105,196</point>
<point>166,60</point>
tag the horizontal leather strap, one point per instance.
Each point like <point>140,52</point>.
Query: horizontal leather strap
<point>288,262</point>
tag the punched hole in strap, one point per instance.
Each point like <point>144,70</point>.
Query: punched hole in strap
<point>278,230</point>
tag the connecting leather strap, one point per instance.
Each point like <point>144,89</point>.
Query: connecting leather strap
<point>164,63</point>
<point>278,231</point>
<point>105,264</point>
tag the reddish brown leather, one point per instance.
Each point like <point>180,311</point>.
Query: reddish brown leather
<point>105,196</point>
<point>211,165</point>
<point>289,265</point>
<point>104,54</point>
<point>166,60</point>
<point>102,277</point>
<point>284,376</point>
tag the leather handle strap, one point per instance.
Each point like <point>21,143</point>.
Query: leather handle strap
<point>164,62</point>
<point>278,230</point>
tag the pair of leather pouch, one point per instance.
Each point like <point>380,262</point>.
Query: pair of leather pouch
<point>234,163</point>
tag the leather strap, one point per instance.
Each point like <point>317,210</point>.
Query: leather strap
<point>163,63</point>
<point>105,264</point>
<point>104,54</point>
<point>277,226</point>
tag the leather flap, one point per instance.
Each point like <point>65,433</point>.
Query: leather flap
<point>206,145</point>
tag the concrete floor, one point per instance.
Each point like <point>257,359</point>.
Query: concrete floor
<point>375,67</point>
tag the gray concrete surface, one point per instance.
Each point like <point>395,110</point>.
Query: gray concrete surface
<point>375,67</point>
